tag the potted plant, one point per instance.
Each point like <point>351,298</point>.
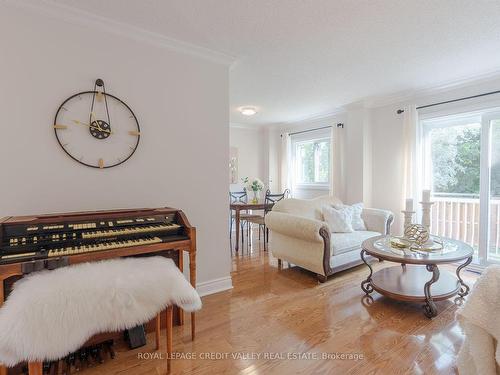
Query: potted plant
<point>255,185</point>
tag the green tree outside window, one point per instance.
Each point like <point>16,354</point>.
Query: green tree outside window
<point>312,161</point>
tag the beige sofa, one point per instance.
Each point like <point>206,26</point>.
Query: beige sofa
<point>299,235</point>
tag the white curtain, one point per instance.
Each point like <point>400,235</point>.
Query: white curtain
<point>337,169</point>
<point>286,162</point>
<point>411,155</point>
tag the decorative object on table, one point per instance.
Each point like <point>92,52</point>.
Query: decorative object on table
<point>416,233</point>
<point>233,165</point>
<point>408,212</point>
<point>426,208</point>
<point>86,132</point>
<point>434,244</point>
<point>255,185</point>
<point>420,239</point>
<point>416,238</point>
<point>400,243</point>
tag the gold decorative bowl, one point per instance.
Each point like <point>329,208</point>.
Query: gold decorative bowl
<point>430,246</point>
<point>400,243</point>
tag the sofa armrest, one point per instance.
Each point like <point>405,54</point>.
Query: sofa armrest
<point>378,220</point>
<point>301,241</point>
<point>297,226</point>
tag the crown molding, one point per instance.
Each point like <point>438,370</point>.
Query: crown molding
<point>83,18</point>
<point>305,121</point>
<point>443,87</point>
<point>237,125</point>
<point>313,118</point>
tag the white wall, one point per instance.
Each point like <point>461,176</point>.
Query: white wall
<point>387,183</point>
<point>251,142</point>
<point>358,155</point>
<point>273,162</point>
<point>181,102</point>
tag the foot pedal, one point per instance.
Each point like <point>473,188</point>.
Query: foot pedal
<point>136,337</point>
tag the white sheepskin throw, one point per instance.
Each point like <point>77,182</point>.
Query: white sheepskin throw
<point>480,352</point>
<point>50,314</point>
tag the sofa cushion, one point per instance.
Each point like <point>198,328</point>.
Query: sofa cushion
<point>308,208</point>
<point>344,242</point>
<point>357,220</point>
<point>339,220</point>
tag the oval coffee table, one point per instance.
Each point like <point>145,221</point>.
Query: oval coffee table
<point>410,281</point>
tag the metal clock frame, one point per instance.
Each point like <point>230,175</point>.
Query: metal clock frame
<point>94,92</point>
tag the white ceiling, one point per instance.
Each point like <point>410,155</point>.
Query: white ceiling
<point>303,58</point>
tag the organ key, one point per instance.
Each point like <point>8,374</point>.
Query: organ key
<point>22,239</point>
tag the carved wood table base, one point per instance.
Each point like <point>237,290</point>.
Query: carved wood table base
<point>464,288</point>
<point>430,307</point>
<point>366,284</point>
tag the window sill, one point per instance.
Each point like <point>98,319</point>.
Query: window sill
<point>312,187</point>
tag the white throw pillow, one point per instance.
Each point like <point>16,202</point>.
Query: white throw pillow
<point>339,220</point>
<point>357,221</point>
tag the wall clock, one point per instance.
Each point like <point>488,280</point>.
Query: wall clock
<point>97,129</point>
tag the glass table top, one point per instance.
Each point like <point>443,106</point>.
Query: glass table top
<point>437,250</point>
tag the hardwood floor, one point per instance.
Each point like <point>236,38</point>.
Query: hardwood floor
<point>279,313</point>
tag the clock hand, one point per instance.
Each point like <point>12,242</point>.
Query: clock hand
<point>88,125</point>
<point>92,119</point>
<point>92,126</point>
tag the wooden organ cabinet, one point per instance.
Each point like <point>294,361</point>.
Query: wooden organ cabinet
<point>33,243</point>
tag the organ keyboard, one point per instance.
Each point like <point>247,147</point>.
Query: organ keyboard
<point>30,243</point>
<point>35,238</point>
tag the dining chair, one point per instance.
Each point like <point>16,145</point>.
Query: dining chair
<point>269,201</point>
<point>235,197</point>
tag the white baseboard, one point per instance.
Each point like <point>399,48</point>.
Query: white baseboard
<point>214,286</point>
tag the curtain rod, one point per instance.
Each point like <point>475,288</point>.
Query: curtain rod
<point>399,111</point>
<point>339,125</point>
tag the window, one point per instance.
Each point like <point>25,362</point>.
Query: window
<point>461,164</point>
<point>454,159</point>
<point>311,162</point>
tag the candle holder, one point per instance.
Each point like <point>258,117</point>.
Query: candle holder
<point>426,214</point>
<point>408,217</point>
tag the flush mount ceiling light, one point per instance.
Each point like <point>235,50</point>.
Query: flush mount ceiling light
<point>248,111</point>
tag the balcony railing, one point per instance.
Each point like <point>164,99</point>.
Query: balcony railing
<point>457,216</point>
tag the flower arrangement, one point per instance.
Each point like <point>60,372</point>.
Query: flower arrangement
<point>255,185</point>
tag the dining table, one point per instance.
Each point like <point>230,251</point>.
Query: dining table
<point>237,207</point>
